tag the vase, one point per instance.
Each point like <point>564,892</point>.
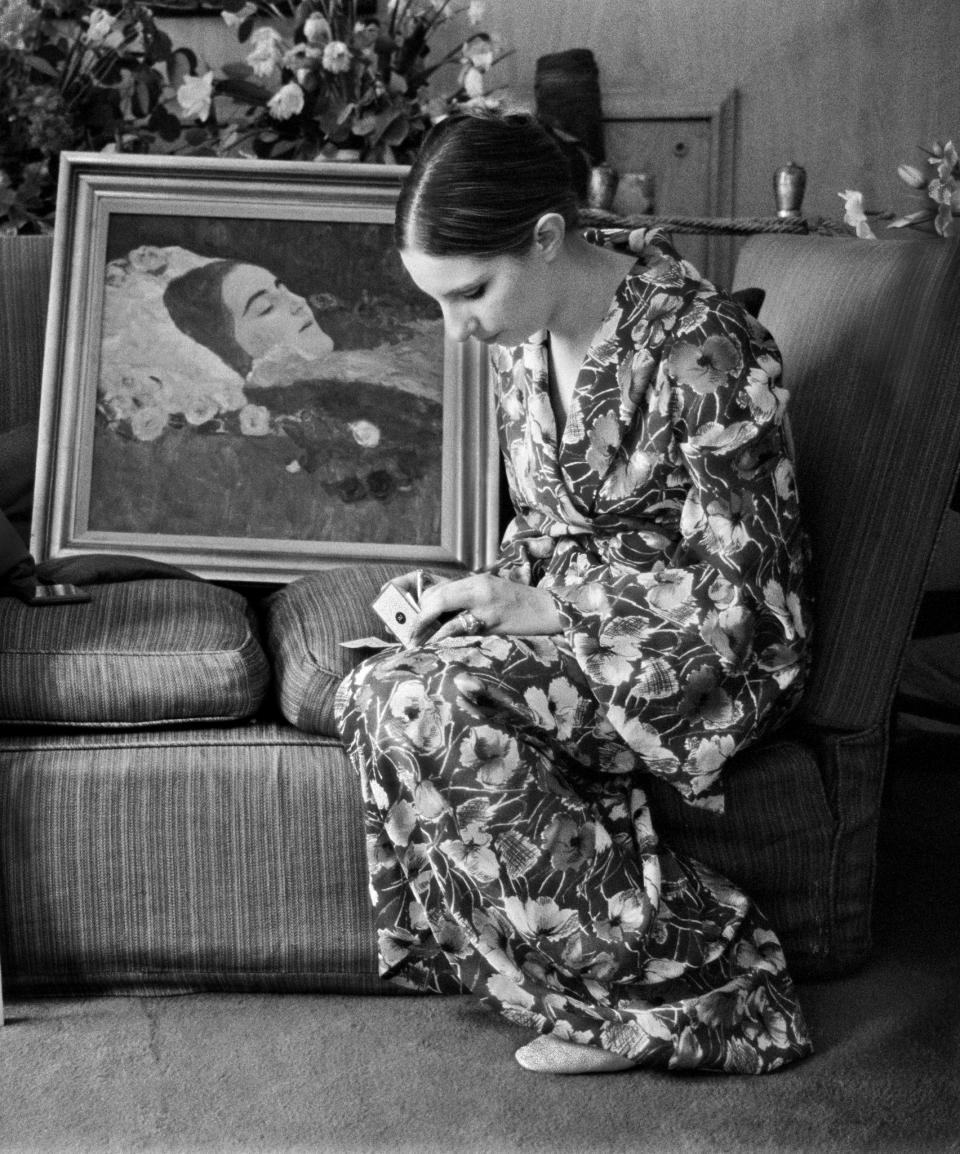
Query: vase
<point>601,187</point>
<point>789,183</point>
<point>634,195</point>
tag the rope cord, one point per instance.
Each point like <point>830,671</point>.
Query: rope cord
<point>720,225</point>
<point>727,226</point>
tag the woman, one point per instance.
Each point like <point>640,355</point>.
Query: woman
<point>646,617</point>
<point>242,312</point>
<point>270,336</point>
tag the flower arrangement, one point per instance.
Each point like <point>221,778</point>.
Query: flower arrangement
<point>85,80</point>
<point>322,79</point>
<point>327,79</point>
<point>940,194</point>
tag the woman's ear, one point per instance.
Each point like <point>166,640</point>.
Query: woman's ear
<point>548,235</point>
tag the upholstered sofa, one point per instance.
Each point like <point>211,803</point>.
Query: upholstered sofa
<point>176,813</point>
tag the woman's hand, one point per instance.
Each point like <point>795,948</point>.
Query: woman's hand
<point>499,606</point>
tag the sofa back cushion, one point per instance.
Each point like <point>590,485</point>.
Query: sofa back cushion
<point>139,653</point>
<point>24,287</point>
<point>870,336</point>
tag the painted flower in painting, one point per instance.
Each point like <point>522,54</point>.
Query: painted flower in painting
<point>254,421</point>
<point>365,433</point>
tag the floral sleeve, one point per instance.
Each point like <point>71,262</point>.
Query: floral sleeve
<point>679,576</point>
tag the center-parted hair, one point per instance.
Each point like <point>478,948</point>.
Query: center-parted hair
<point>195,303</point>
<point>480,183</point>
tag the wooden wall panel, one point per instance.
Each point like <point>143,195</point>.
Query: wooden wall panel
<point>847,88</point>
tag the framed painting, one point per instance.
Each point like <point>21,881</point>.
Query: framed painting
<point>240,379</point>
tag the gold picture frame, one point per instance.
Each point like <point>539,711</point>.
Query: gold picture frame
<point>361,435</point>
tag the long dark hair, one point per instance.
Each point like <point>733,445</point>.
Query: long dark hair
<point>480,183</point>
<point>195,304</point>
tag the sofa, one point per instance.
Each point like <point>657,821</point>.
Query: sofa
<point>176,813</point>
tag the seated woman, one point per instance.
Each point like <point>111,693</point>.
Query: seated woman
<point>647,617</point>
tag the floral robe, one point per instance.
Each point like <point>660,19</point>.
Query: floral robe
<point>512,851</point>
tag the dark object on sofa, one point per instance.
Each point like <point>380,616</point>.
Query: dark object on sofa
<point>18,570</point>
<point>170,819</point>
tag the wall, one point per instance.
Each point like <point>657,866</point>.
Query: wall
<point>847,88</point>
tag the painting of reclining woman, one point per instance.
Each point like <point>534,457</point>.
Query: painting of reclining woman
<point>265,379</point>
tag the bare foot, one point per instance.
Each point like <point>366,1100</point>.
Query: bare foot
<point>547,1055</point>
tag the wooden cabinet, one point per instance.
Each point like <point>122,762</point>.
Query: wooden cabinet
<point>689,154</point>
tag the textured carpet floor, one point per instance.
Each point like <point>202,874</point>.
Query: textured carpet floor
<point>436,1076</point>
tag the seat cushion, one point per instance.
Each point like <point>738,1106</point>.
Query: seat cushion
<point>139,653</point>
<point>305,623</point>
<point>180,860</point>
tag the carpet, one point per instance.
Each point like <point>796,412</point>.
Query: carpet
<point>415,1075</point>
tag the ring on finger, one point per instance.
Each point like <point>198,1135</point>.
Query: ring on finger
<point>471,624</point>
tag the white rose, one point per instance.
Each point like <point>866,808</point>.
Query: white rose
<point>286,102</point>
<point>195,95</point>
<point>473,83</point>
<point>302,56</point>
<point>316,30</point>
<point>100,26</point>
<point>336,57</point>
<point>267,52</point>
<point>235,19</point>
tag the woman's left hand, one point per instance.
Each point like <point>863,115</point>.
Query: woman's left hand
<point>483,603</point>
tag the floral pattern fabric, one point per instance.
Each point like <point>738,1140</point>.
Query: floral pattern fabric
<point>512,851</point>
<point>665,517</point>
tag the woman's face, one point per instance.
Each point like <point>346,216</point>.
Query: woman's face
<point>266,314</point>
<point>499,300</point>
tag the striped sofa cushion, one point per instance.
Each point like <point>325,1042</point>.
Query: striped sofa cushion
<point>182,859</point>
<point>140,653</point>
<point>305,623</point>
